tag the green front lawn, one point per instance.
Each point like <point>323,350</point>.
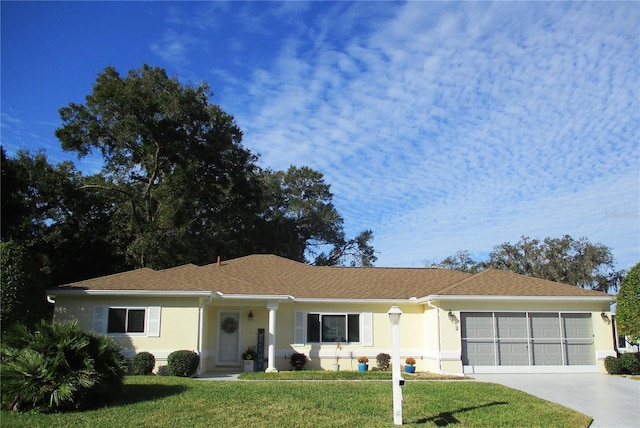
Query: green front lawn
<point>180,402</point>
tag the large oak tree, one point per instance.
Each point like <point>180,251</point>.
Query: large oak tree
<point>185,187</point>
<point>567,260</point>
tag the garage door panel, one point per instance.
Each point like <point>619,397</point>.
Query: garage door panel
<point>477,326</point>
<point>577,325</point>
<point>511,325</point>
<point>513,354</point>
<point>579,354</point>
<point>545,326</point>
<point>478,353</point>
<point>547,354</point>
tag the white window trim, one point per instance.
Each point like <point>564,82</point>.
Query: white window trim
<point>365,327</point>
<point>152,316</point>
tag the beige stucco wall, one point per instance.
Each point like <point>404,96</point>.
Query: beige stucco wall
<point>178,328</point>
<point>321,356</point>
<point>427,334</point>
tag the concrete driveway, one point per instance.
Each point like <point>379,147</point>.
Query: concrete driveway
<point>612,402</point>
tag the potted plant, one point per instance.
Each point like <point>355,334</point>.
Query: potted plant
<point>249,356</point>
<point>298,360</point>
<point>363,364</point>
<point>411,365</point>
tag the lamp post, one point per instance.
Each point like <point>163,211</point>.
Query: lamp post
<point>398,381</point>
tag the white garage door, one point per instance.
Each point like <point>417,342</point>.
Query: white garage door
<point>520,341</point>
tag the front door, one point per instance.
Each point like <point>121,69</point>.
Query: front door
<point>229,339</point>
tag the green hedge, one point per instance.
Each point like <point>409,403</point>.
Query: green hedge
<point>628,363</point>
<point>183,363</point>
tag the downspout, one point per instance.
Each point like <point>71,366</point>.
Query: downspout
<point>201,330</point>
<point>437,333</point>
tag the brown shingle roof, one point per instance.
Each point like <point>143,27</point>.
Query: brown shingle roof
<point>493,282</point>
<point>265,274</point>
<point>287,277</point>
<point>130,280</point>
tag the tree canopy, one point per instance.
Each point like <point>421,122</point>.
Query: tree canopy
<point>63,228</point>
<point>177,186</point>
<point>628,305</point>
<point>301,220</point>
<point>184,187</point>
<point>566,260</point>
<point>23,284</point>
<point>174,166</point>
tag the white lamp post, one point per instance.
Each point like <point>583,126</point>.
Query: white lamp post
<point>398,381</point>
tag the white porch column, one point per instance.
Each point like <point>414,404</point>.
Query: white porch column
<point>273,307</point>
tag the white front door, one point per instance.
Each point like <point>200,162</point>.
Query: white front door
<point>229,339</point>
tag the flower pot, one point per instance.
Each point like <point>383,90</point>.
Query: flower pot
<point>410,369</point>
<point>362,367</point>
<point>248,365</point>
<point>336,367</point>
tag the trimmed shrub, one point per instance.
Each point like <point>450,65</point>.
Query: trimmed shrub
<point>613,365</point>
<point>59,367</point>
<point>143,363</point>
<point>630,362</point>
<point>383,360</point>
<point>183,363</point>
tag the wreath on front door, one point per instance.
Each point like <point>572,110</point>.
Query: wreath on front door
<point>229,325</point>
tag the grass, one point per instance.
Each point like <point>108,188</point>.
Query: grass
<point>341,375</point>
<point>151,401</point>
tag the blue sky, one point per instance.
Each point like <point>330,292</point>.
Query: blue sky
<point>441,126</point>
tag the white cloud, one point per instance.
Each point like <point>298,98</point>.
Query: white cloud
<point>460,126</point>
<point>173,47</point>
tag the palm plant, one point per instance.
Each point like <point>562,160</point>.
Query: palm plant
<point>58,367</point>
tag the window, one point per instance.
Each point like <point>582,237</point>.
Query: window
<point>333,328</point>
<point>123,320</point>
<point>127,320</point>
<point>318,327</point>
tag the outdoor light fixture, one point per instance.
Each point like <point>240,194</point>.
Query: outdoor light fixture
<point>250,316</point>
<point>396,379</point>
<point>605,318</point>
<point>452,317</point>
<point>394,315</point>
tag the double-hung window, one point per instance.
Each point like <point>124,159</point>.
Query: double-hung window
<point>332,327</point>
<point>139,321</point>
<point>126,320</point>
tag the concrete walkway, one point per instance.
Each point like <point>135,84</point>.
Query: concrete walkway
<point>219,375</point>
<point>612,402</point>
